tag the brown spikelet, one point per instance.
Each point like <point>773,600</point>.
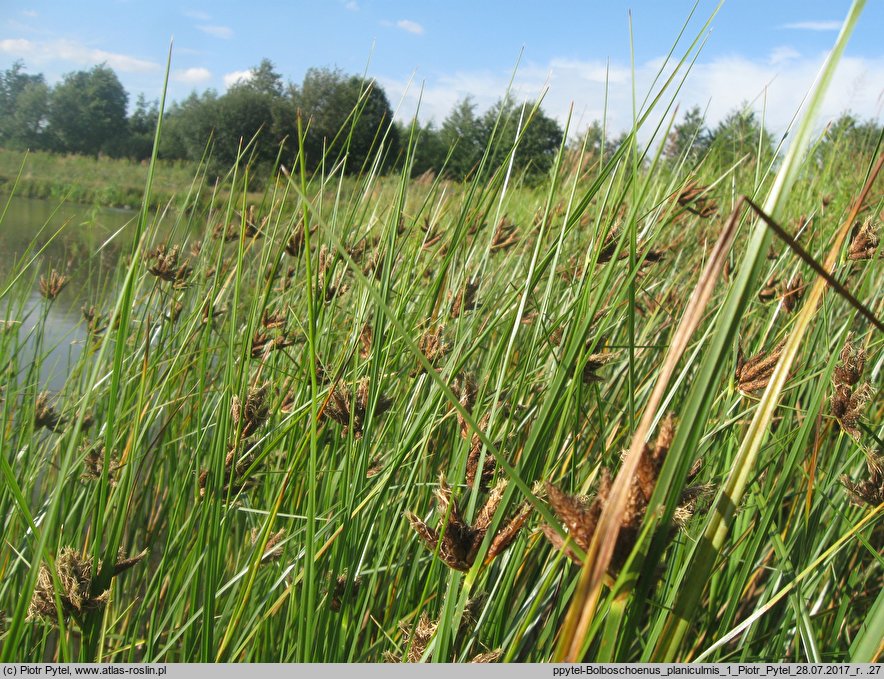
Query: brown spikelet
<point>459,543</point>
<point>863,242</point>
<point>465,388</point>
<point>124,563</point>
<point>488,656</point>
<point>45,415</point>
<point>505,235</point>
<point>273,320</point>
<point>272,550</point>
<point>609,249</point>
<point>581,516</point>
<point>850,396</point>
<point>869,491</point>
<point>263,342</point>
<point>847,406</point>
<point>93,464</point>
<point>51,286</point>
<point>755,373</point>
<point>175,308</point>
<point>328,286</point>
<point>253,413</point>
<point>350,409</point>
<point>75,575</point>
<point>770,291</point>
<point>465,299</point>
<point>95,322</point>
<point>793,291</point>
<point>374,468</point>
<point>295,244</point>
<point>162,262</point>
<point>366,336</point>
<point>235,468</point>
<point>206,316</point>
<point>692,197</point>
<point>432,344</point>
<point>419,639</point>
<point>488,466</point>
<point>342,588</point>
<point>594,363</point>
<point>849,369</point>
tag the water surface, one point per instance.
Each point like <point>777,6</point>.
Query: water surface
<point>75,239</point>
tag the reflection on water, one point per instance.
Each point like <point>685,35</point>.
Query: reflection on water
<point>72,239</point>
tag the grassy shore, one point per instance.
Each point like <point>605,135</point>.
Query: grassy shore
<point>366,419</point>
<point>104,182</point>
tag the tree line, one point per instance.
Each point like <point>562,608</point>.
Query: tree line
<point>341,117</point>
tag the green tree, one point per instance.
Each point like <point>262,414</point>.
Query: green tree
<point>87,113</point>
<point>539,136</point>
<point>848,138</point>
<point>188,127</point>
<point>241,115</point>
<point>429,151</point>
<point>463,133</point>
<point>344,114</point>
<point>142,127</point>
<point>741,135</point>
<point>24,105</point>
<point>688,138</point>
<point>264,79</point>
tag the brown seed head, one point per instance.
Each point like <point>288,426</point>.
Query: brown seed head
<point>51,286</point>
<point>432,344</point>
<point>45,415</point>
<point>272,550</point>
<point>465,299</point>
<point>75,574</point>
<point>793,291</point>
<point>457,542</point>
<point>852,361</point>
<point>864,241</point>
<point>754,374</point>
<point>505,235</point>
<point>253,413</point>
<point>692,197</point>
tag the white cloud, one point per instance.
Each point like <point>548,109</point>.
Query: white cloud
<point>778,82</point>
<point>74,52</point>
<point>223,32</point>
<point>410,26</point>
<point>814,25</point>
<point>196,14</point>
<point>16,46</point>
<point>782,54</point>
<point>31,14</point>
<point>192,76</point>
<point>237,77</point>
<point>352,5</point>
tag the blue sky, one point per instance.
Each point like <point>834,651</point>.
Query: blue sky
<point>763,52</point>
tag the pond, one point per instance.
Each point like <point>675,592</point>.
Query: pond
<point>83,242</point>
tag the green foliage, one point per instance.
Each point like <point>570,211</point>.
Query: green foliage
<point>847,138</point>
<point>87,113</point>
<point>463,132</point>
<point>189,126</point>
<point>141,128</point>
<point>24,105</point>
<point>537,136</point>
<point>343,115</point>
<point>279,378</point>
<point>689,138</point>
<point>741,136</point>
